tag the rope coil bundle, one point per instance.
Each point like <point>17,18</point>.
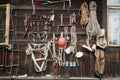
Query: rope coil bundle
<point>93,26</point>
<point>73,36</point>
<point>83,12</point>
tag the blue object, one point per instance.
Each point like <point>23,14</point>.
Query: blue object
<point>71,64</point>
<point>74,64</point>
<point>45,1</point>
<point>67,63</point>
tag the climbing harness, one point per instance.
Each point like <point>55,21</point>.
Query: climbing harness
<point>83,13</point>
<point>93,26</point>
<point>43,49</point>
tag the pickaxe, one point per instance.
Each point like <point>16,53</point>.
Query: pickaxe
<point>55,2</point>
<point>45,2</point>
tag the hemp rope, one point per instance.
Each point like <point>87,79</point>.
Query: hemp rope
<point>93,26</point>
<point>73,41</point>
<point>83,12</point>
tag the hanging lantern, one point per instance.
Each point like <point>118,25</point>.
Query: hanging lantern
<point>61,41</point>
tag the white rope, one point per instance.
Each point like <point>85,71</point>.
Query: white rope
<point>73,43</point>
<point>60,57</point>
<point>32,47</point>
<point>54,56</point>
<point>73,36</point>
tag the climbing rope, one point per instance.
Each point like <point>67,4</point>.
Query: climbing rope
<point>73,36</point>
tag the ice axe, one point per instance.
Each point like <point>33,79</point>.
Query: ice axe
<point>55,2</point>
<point>34,4</point>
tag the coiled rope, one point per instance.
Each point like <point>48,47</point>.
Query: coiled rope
<point>93,26</point>
<point>73,37</point>
<point>83,12</point>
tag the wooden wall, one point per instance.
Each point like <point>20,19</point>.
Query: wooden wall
<point>86,64</point>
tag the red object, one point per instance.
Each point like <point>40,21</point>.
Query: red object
<point>61,42</point>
